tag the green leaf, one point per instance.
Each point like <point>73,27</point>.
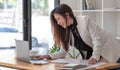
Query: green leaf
<point>54,49</point>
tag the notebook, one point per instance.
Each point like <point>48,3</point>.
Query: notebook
<point>22,53</point>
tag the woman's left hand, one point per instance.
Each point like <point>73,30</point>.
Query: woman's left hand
<point>92,61</point>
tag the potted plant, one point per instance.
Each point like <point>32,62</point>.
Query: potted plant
<point>54,48</point>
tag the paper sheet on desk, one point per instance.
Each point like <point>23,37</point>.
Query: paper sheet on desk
<point>91,67</point>
<point>80,62</point>
<point>75,61</point>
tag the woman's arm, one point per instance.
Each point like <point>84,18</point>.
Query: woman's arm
<point>60,54</point>
<point>97,36</point>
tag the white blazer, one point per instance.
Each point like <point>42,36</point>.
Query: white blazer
<point>103,44</point>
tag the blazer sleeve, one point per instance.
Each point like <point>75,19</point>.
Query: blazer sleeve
<point>96,34</point>
<point>60,54</point>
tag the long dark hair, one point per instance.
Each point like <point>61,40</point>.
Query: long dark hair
<point>61,35</point>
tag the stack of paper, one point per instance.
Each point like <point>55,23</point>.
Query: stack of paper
<point>72,67</point>
<point>92,67</point>
<point>74,61</point>
<point>74,64</point>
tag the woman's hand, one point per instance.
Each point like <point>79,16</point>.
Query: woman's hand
<point>92,61</point>
<point>39,57</point>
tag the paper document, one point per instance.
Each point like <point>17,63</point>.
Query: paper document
<point>66,61</point>
<point>72,66</point>
<point>75,61</point>
<point>92,66</point>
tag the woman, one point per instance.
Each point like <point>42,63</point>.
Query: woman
<point>83,34</point>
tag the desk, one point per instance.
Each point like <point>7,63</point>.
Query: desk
<point>7,58</point>
<point>12,62</point>
<point>24,65</point>
<point>50,66</point>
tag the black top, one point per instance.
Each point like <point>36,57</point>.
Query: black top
<point>78,42</point>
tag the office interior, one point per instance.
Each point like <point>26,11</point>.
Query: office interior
<point>29,20</point>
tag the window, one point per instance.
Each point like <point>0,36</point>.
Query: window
<point>10,22</point>
<point>41,28</point>
<point>14,25</point>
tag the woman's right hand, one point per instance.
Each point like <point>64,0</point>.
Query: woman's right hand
<point>39,57</point>
<point>92,61</point>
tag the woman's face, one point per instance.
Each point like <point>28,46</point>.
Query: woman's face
<point>60,20</point>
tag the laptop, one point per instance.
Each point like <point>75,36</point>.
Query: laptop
<point>22,53</point>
